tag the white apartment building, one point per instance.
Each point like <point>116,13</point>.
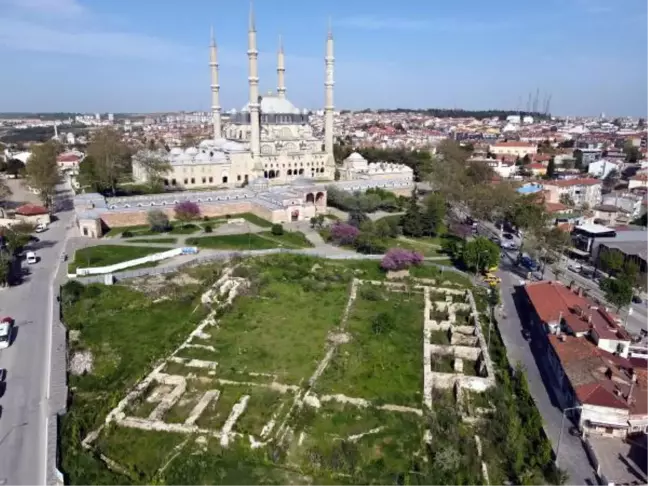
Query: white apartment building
<point>517,149</point>
<point>582,191</point>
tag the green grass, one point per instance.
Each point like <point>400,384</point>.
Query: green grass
<point>248,241</point>
<point>103,255</point>
<point>163,240</point>
<point>254,219</point>
<point>282,330</point>
<point>290,239</point>
<point>420,246</point>
<point>127,333</point>
<point>118,230</point>
<point>376,364</point>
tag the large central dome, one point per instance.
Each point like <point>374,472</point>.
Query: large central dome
<point>272,104</point>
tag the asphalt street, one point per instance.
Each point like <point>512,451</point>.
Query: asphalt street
<point>512,320</point>
<point>25,408</point>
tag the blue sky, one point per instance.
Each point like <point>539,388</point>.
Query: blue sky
<point>146,55</point>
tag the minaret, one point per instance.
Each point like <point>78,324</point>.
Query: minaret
<point>328,103</point>
<point>215,87</point>
<point>281,71</point>
<point>253,79</point>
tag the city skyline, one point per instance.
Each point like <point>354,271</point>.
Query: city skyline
<point>74,55</point>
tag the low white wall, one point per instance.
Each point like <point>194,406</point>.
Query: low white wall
<point>155,257</point>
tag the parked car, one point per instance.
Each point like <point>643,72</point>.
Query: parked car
<point>529,263</point>
<point>31,257</point>
<point>6,328</point>
<point>508,236</point>
<point>41,227</point>
<point>636,299</point>
<point>575,267</point>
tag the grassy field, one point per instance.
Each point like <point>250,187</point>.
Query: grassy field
<point>383,359</point>
<point>282,330</point>
<point>254,219</point>
<point>247,241</point>
<point>127,333</point>
<point>163,240</point>
<point>290,239</point>
<point>102,255</point>
<point>280,326</point>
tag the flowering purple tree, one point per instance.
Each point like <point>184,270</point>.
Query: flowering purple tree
<point>344,234</point>
<point>399,259</point>
<point>186,211</point>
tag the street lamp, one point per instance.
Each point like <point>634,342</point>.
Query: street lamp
<point>562,426</point>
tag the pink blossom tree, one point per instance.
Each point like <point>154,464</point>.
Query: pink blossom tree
<point>400,259</point>
<point>186,211</point>
<point>344,234</point>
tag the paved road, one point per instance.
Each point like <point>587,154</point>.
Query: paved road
<point>25,408</point>
<point>572,456</point>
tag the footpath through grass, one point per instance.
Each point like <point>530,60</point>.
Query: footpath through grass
<point>103,255</point>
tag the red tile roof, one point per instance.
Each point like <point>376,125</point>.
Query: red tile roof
<point>554,207</point>
<point>513,143</point>
<point>31,210</point>
<point>68,158</point>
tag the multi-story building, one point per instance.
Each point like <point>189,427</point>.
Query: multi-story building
<point>582,191</point>
<point>517,149</point>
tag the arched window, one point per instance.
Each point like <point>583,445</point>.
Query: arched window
<point>289,172</point>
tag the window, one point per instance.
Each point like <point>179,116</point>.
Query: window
<point>166,182</point>
<point>173,182</point>
<point>204,180</point>
<point>186,181</point>
<point>238,177</point>
<point>211,179</point>
<point>224,179</point>
<point>193,181</point>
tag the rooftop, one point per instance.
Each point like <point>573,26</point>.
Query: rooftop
<point>31,210</point>
<point>586,181</point>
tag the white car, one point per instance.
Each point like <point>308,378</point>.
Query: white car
<point>41,227</point>
<point>5,333</point>
<point>31,257</point>
<point>575,267</point>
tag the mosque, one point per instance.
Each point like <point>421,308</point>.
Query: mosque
<point>269,138</point>
<point>266,161</point>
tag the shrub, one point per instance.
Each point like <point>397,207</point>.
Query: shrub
<point>369,245</point>
<point>383,323</point>
<point>208,228</point>
<point>127,234</point>
<point>371,293</point>
<point>400,259</point>
<point>277,230</point>
<point>158,220</point>
<point>344,234</point>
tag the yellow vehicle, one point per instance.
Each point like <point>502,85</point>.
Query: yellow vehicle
<point>491,279</point>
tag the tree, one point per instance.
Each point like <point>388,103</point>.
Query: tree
<point>611,261</point>
<point>567,200</point>
<point>5,191</point>
<point>188,140</point>
<point>155,167</point>
<point>551,168</point>
<point>386,228</point>
<point>42,172</point>
<point>186,211</point>
<point>578,157</point>
<point>344,234</point>
<point>6,263</point>
<point>611,179</point>
<point>158,220</point>
<point>87,176</point>
<point>357,217</point>
<point>527,215</point>
<point>111,157</point>
<point>480,254</point>
<point>400,259</point>
<point>15,167</point>
<point>433,217</point>
<point>277,230</point>
<point>618,291</point>
<point>17,236</point>
<point>317,221</point>
<point>412,221</point>
<point>632,153</point>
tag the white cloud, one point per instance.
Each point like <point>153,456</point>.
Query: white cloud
<point>438,24</point>
<point>29,36</point>
<point>65,8</point>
